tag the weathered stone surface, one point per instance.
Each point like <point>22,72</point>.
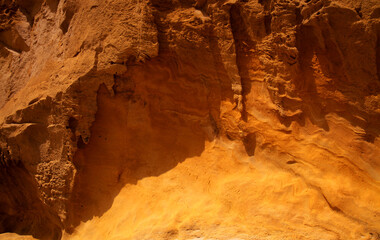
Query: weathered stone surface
<point>185,119</point>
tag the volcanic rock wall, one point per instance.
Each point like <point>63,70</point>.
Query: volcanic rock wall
<point>185,119</point>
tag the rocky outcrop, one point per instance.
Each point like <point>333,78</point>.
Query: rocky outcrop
<point>185,119</point>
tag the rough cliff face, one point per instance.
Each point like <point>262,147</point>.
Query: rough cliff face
<point>190,119</point>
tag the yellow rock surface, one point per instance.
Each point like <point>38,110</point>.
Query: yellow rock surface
<point>13,236</point>
<point>184,119</point>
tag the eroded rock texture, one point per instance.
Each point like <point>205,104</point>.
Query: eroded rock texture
<point>190,119</point>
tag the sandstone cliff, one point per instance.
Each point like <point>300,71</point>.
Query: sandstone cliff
<point>190,119</point>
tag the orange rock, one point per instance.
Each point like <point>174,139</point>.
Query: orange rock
<point>168,119</point>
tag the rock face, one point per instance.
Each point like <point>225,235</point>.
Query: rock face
<point>190,119</point>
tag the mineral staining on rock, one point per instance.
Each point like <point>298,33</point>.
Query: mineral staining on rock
<point>184,119</point>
